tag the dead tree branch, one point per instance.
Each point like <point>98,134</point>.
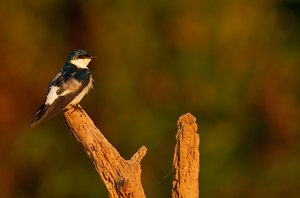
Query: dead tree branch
<point>186,160</point>
<point>122,178</point>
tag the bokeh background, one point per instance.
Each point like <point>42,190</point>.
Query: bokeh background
<point>233,64</point>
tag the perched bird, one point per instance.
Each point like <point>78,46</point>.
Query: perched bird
<point>67,88</point>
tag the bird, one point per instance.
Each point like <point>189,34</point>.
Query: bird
<point>67,88</point>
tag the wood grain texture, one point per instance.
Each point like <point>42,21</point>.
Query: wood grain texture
<point>186,160</point>
<point>122,178</point>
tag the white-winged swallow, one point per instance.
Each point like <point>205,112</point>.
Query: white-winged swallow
<point>67,88</point>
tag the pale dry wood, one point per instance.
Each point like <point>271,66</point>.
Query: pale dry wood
<point>186,160</point>
<point>122,178</point>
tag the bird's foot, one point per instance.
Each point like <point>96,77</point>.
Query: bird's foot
<point>77,107</point>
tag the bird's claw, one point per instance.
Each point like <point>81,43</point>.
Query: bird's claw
<point>77,107</point>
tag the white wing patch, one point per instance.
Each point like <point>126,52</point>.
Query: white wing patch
<point>52,95</point>
<point>70,86</point>
<point>81,63</point>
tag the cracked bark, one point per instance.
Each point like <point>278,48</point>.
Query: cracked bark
<point>186,160</point>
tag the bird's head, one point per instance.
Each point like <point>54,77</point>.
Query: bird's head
<point>80,58</point>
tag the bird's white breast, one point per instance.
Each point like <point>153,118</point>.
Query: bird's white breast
<point>78,98</point>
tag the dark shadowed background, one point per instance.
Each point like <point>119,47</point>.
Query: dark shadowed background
<point>233,64</point>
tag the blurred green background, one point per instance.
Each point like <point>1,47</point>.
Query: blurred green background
<point>233,64</point>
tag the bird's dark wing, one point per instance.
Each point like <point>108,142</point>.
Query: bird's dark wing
<point>58,98</point>
<point>45,112</point>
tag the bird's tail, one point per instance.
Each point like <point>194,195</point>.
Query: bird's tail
<point>37,117</point>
